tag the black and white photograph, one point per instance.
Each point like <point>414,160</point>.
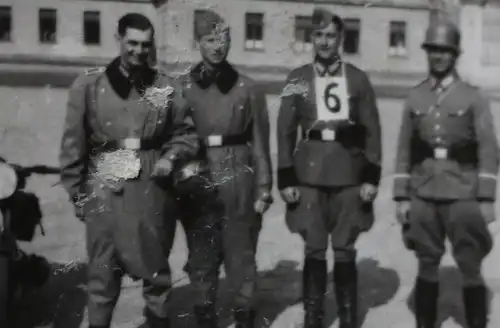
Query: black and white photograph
<point>249,163</point>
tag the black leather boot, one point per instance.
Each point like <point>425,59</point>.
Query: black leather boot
<point>476,309</point>
<point>152,321</point>
<point>345,276</point>
<point>426,301</point>
<point>244,318</point>
<point>314,288</point>
<point>92,326</point>
<point>205,316</point>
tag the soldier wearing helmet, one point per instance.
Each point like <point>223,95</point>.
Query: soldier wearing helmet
<point>446,172</point>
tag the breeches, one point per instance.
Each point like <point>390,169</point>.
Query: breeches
<point>336,212</point>
<point>461,221</point>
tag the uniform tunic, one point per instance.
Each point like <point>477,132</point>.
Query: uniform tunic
<point>230,106</point>
<point>447,160</point>
<point>328,173</point>
<point>131,230</point>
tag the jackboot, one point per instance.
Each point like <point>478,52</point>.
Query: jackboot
<point>152,321</point>
<point>314,282</point>
<point>426,303</point>
<point>244,318</point>
<point>345,276</point>
<point>476,309</point>
<point>92,326</point>
<point>205,316</point>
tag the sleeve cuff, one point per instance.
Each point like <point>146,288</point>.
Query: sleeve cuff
<point>487,187</point>
<point>371,174</point>
<point>401,190</point>
<point>287,178</point>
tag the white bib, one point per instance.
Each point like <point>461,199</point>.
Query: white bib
<point>332,98</point>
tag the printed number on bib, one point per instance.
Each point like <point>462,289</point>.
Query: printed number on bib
<point>332,99</point>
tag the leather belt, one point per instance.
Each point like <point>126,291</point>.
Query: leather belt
<point>129,144</point>
<point>321,135</point>
<point>461,153</point>
<point>228,140</point>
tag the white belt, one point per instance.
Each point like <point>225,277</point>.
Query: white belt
<point>214,140</point>
<point>440,153</point>
<point>131,143</point>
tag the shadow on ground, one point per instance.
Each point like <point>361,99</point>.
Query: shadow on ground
<point>281,288</point>
<point>59,304</point>
<point>450,303</point>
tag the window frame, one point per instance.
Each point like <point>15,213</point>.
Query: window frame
<point>9,16</point>
<point>254,44</point>
<point>56,25</point>
<point>95,17</point>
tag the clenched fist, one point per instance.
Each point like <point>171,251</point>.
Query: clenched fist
<point>488,211</point>
<point>263,202</point>
<point>402,211</point>
<point>163,168</point>
<point>290,195</point>
<point>368,192</point>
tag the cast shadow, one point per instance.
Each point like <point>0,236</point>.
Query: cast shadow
<point>450,303</point>
<point>278,289</point>
<point>377,286</point>
<point>60,303</point>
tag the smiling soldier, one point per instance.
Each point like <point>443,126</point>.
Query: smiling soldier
<point>125,124</point>
<point>445,184</point>
<point>231,117</point>
<point>330,179</point>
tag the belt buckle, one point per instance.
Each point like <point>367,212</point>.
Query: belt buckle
<point>328,135</point>
<point>440,153</point>
<point>132,143</point>
<point>214,140</point>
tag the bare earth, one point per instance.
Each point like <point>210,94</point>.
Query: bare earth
<point>30,128</point>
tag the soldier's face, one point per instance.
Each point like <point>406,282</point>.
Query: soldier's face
<point>326,41</point>
<point>136,46</point>
<point>214,48</point>
<point>441,60</point>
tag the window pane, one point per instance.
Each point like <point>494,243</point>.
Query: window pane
<point>5,23</point>
<point>254,29</point>
<point>303,28</point>
<point>352,32</point>
<point>91,27</point>
<point>47,25</point>
<point>397,34</point>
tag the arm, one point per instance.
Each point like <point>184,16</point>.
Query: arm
<point>373,145</point>
<point>182,141</point>
<point>73,148</point>
<point>403,158</point>
<point>287,137</point>
<point>487,149</point>
<point>260,142</point>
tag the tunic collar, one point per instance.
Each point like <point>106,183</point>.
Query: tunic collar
<point>225,77</point>
<point>327,70</point>
<point>443,84</point>
<point>122,82</point>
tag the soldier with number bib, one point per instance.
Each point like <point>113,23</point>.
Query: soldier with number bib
<point>126,124</point>
<point>330,178</point>
<point>230,115</point>
<point>445,184</point>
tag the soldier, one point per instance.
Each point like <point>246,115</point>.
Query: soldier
<point>231,118</point>
<point>126,124</point>
<point>330,178</point>
<point>445,182</point>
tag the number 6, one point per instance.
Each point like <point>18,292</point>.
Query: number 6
<point>332,102</point>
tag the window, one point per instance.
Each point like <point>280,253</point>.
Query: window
<point>47,25</point>
<point>351,35</point>
<point>303,31</point>
<point>397,38</point>
<point>254,31</point>
<point>5,24</point>
<point>91,27</point>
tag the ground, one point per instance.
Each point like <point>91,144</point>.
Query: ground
<point>30,128</point>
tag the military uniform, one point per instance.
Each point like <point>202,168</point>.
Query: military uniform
<point>446,163</point>
<point>130,220</point>
<point>330,162</point>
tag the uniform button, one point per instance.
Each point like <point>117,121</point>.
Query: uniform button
<point>160,121</point>
<point>438,114</point>
<point>108,123</point>
<point>437,127</point>
<point>311,163</point>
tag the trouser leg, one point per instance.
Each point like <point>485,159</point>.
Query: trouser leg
<point>314,282</point>
<point>157,299</point>
<point>471,242</point>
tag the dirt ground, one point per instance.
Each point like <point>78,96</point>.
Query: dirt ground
<point>30,128</point>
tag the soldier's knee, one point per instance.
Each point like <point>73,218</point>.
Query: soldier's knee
<point>471,272</point>
<point>428,269</point>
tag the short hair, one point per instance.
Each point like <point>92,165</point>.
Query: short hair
<point>136,21</point>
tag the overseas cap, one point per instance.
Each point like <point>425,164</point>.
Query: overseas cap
<point>209,22</point>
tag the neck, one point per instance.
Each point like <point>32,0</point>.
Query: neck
<point>439,76</point>
<point>327,61</point>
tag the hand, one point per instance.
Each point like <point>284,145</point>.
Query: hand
<point>263,203</point>
<point>487,211</point>
<point>79,213</point>
<point>163,168</point>
<point>402,211</point>
<point>368,192</point>
<point>290,195</point>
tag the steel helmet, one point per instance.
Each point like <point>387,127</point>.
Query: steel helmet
<point>442,34</point>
